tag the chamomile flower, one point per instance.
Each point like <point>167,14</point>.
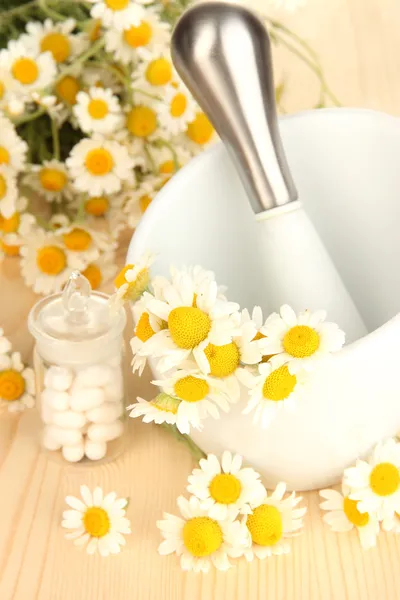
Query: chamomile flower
<point>344,515</point>
<point>30,70</point>
<point>84,243</point>
<point>50,180</point>
<point>98,521</point>
<point>163,409</point>
<point>301,339</point>
<point>17,383</point>
<point>58,221</point>
<point>16,228</point>
<point>168,161</point>
<point>199,540</point>
<point>154,74</point>
<point>101,270</point>
<point>375,484</point>
<point>67,88</point>
<point>106,208</point>
<point>148,38</point>
<point>141,119</point>
<point>98,111</point>
<point>98,166</point>
<point>5,344</point>
<point>138,199</point>
<point>46,264</point>
<point>201,395</point>
<point>199,133</point>
<point>13,149</point>
<point>8,191</point>
<point>273,388</point>
<point>133,280</point>
<point>176,109</point>
<point>56,38</point>
<point>117,14</point>
<point>196,320</point>
<point>272,522</point>
<point>225,486</point>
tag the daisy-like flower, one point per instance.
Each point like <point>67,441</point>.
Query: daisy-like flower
<point>200,395</point>
<point>375,484</point>
<point>67,88</point>
<point>17,383</point>
<point>226,486</point>
<point>141,119</point>
<point>163,409</point>
<point>168,161</point>
<point>98,521</point>
<point>271,389</point>
<point>272,522</point>
<point>117,14</point>
<point>199,133</point>
<point>138,199</point>
<point>133,280</point>
<point>13,149</point>
<point>50,180</point>
<point>8,191</point>
<point>196,318</point>
<point>16,228</point>
<point>85,243</point>
<point>30,71</point>
<point>56,38</point>
<point>199,540</point>
<point>176,109</point>
<point>150,37</point>
<point>58,221</point>
<point>301,339</point>
<point>101,270</point>
<point>154,74</point>
<point>344,515</point>
<point>46,264</point>
<point>98,111</point>
<point>99,166</point>
<point>5,344</point>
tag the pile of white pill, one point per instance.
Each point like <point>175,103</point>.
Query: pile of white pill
<point>82,409</point>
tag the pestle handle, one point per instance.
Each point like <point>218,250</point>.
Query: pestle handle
<point>223,54</point>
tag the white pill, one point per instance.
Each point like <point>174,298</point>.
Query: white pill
<point>114,393</point>
<point>95,450</point>
<point>58,378</point>
<point>86,399</point>
<point>55,400</point>
<point>69,419</point>
<point>106,413</point>
<point>46,413</point>
<point>105,432</point>
<point>96,375</point>
<point>73,453</point>
<point>49,442</point>
<point>67,437</point>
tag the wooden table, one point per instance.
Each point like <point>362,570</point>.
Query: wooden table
<point>359,44</point>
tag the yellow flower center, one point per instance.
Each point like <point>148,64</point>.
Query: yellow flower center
<point>9,250</point>
<point>96,521</point>
<point>58,44</point>
<point>117,4</point>
<point>202,536</point>
<point>141,121</point>
<point>279,384</point>
<point>99,161</point>
<point>353,514</point>
<point>178,105</point>
<point>159,71</point>
<point>2,89</point>
<point>200,130</point>
<point>93,275</point>
<point>25,70</point>
<point>167,167</point>
<point>301,341</point>
<point>191,389</point>
<point>97,207</point>
<point>144,330</point>
<point>97,109</point>
<point>384,479</point>
<point>135,287</point>
<point>3,186</point>
<point>12,385</point>
<point>166,403</point>
<point>225,488</point>
<point>188,326</point>
<point>67,89</point>
<point>77,239</point>
<point>265,525</point>
<point>120,278</point>
<point>223,360</point>
<point>11,224</point>
<point>52,180</point>
<point>51,260</point>
<point>138,36</point>
<point>144,202</point>
<point>4,156</point>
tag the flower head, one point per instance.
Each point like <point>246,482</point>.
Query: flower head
<point>98,111</point>
<point>13,149</point>
<point>97,521</point>
<point>30,71</point>
<point>15,229</point>
<point>17,383</point>
<point>133,280</point>
<point>163,409</point>
<point>56,38</point>
<point>50,180</point>
<point>117,14</point>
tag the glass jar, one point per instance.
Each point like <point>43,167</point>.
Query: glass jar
<point>79,367</point>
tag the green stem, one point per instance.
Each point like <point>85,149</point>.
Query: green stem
<point>150,158</point>
<point>196,452</point>
<point>80,214</point>
<point>43,223</point>
<point>117,73</point>
<point>49,12</point>
<point>98,44</point>
<point>56,139</point>
<point>170,147</point>
<point>29,117</point>
<point>11,12</point>
<point>139,91</point>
